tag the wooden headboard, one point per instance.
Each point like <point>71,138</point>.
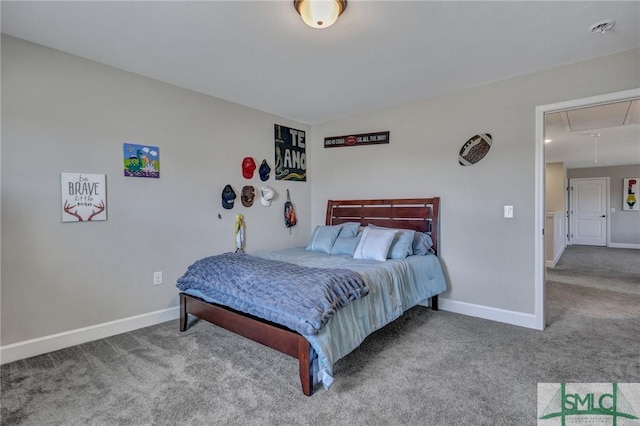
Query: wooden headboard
<point>419,214</point>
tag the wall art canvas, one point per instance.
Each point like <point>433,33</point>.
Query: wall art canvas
<point>84,197</point>
<point>290,153</point>
<point>630,196</point>
<point>141,160</point>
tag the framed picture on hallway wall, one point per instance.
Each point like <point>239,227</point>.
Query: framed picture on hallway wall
<point>630,201</point>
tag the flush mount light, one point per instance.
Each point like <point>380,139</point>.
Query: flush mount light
<point>320,13</point>
<point>602,26</point>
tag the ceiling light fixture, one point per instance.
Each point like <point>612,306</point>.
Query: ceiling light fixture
<point>548,140</point>
<point>320,13</point>
<point>602,26</point>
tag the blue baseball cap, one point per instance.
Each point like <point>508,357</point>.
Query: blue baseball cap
<point>228,197</point>
<point>264,170</point>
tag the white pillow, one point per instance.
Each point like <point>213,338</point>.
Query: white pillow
<point>374,244</point>
<point>402,245</point>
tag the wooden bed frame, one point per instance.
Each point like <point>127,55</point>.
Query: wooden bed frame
<point>420,214</point>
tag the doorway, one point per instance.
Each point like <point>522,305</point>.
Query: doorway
<point>539,190</point>
<point>588,207</point>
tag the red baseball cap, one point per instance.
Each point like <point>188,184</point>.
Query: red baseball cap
<point>248,166</point>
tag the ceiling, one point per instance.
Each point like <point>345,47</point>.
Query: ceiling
<point>597,136</point>
<point>380,53</point>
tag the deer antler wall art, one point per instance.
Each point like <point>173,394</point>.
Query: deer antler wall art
<point>83,197</point>
<point>99,209</point>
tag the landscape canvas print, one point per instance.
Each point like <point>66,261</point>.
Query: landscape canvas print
<point>141,160</point>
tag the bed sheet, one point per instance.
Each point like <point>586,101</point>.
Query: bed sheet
<point>394,287</point>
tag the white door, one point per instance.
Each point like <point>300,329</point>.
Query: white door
<point>589,211</point>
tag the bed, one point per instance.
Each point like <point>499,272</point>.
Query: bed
<point>316,353</point>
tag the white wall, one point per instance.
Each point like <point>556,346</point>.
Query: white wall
<point>624,226</point>
<point>489,260</point>
<point>555,187</point>
<point>555,194</point>
<point>554,237</point>
<point>63,113</point>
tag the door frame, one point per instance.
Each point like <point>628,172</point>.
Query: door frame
<point>539,187</point>
<point>607,207</point>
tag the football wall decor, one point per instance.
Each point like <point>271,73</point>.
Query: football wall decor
<point>474,149</point>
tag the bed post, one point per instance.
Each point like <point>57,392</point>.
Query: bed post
<point>304,361</point>
<point>183,312</point>
<point>434,303</point>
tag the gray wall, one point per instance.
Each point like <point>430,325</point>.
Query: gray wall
<point>489,259</point>
<point>61,113</point>
<point>624,225</point>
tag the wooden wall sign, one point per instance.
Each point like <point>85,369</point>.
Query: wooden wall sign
<point>360,139</point>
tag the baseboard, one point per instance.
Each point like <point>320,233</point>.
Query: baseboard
<point>489,313</point>
<point>624,245</point>
<point>554,262</point>
<point>54,342</point>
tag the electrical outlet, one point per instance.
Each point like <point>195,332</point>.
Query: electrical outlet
<point>508,212</point>
<point>157,278</point>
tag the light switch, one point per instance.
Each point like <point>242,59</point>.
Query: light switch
<point>508,212</point>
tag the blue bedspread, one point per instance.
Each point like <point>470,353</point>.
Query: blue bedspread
<point>299,297</point>
<point>394,287</point>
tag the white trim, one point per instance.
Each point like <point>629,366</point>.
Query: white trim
<point>554,262</point>
<point>540,217</point>
<point>539,259</point>
<point>624,245</point>
<point>54,342</point>
<point>488,313</point>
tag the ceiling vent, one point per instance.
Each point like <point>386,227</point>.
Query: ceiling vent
<point>602,26</point>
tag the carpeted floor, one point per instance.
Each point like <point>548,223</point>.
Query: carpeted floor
<point>427,368</point>
<point>599,267</point>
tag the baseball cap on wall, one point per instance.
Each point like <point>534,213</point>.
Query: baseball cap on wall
<point>264,170</point>
<point>248,166</point>
<point>228,197</point>
<point>248,194</point>
<point>266,195</point>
